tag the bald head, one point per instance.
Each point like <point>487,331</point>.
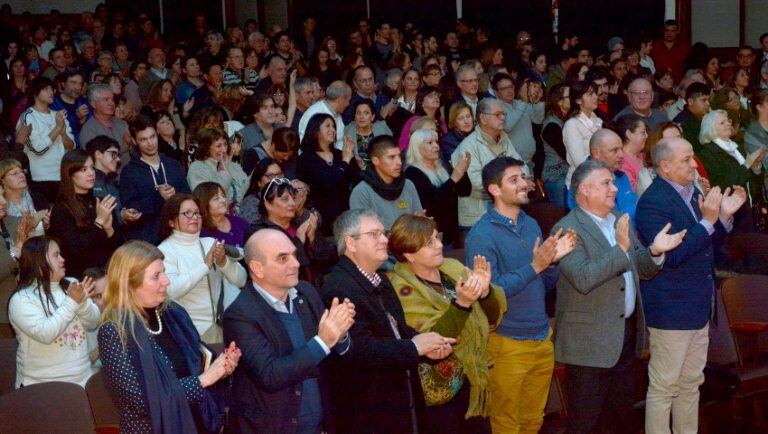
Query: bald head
<point>272,264</point>
<point>605,146</point>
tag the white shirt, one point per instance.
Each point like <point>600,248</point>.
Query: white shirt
<point>323,107</point>
<point>607,226</point>
<point>576,134</point>
<point>52,347</point>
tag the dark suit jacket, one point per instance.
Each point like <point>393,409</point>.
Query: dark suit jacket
<point>589,314</point>
<point>266,394</point>
<point>679,297</point>
<point>371,392</point>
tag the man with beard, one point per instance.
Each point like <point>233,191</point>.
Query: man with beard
<point>71,100</point>
<point>522,265</point>
<point>384,189</point>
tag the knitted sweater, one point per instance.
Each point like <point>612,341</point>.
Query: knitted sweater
<point>51,347</point>
<point>185,266</point>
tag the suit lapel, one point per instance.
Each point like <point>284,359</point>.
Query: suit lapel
<point>308,323</point>
<point>591,228</point>
<point>674,198</point>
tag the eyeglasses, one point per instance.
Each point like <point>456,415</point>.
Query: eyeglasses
<point>500,115</point>
<point>471,80</point>
<point>192,215</point>
<point>373,234</point>
<point>642,93</point>
<point>113,154</point>
<point>434,241</point>
<point>275,181</point>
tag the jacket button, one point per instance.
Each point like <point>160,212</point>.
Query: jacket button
<point>298,392</point>
<point>621,289</point>
<point>621,316</point>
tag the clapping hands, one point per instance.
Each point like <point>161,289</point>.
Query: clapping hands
<point>664,241</point>
<point>336,322</point>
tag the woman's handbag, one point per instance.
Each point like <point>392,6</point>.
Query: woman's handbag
<point>441,381</point>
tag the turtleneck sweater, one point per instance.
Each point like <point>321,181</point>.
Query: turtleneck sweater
<point>185,266</point>
<point>52,347</point>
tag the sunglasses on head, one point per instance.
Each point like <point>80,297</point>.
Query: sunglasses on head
<point>278,182</point>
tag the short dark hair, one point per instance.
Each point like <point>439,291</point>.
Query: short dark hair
<point>763,36</point>
<point>497,78</point>
<point>366,102</point>
<point>568,54</point>
<point>381,144</point>
<point>696,90</point>
<point>139,124</point>
<point>36,86</point>
<point>285,140</point>
<point>629,122</point>
<point>205,138</point>
<point>101,143</point>
<point>493,172</point>
<point>596,72</point>
<point>170,212</point>
<point>670,23</point>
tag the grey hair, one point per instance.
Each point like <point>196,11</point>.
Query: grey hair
<point>302,83</point>
<point>95,90</point>
<point>462,69</point>
<point>348,224</point>
<point>485,104</point>
<point>662,151</point>
<point>707,132</point>
<point>252,37</point>
<point>582,172</point>
<point>337,89</point>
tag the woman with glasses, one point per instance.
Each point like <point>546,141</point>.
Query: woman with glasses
<point>84,224</point>
<point>196,266</point>
<point>329,172</point>
<point>278,211</point>
<point>266,170</point>
<point>427,105</point>
<point>217,223</point>
<point>438,189</point>
<point>557,106</point>
<point>441,295</point>
<point>432,75</point>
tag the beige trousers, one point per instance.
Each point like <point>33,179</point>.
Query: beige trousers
<point>675,372</point>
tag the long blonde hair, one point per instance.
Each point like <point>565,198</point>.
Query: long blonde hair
<point>124,275</point>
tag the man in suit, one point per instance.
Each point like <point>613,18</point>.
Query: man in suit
<point>378,389</point>
<point>678,300</point>
<point>285,335</point>
<point>599,322</point>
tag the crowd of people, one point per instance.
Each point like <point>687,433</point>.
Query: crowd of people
<point>282,203</point>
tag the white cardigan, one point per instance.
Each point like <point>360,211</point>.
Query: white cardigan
<point>52,348</point>
<point>185,266</point>
<point>576,134</point>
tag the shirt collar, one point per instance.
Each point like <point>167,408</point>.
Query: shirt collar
<point>608,220</point>
<point>685,191</point>
<point>275,303</point>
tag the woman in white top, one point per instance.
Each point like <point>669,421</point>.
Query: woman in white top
<point>214,164</point>
<point>582,123</point>
<point>196,267</point>
<point>50,322</point>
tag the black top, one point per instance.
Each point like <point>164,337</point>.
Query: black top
<point>169,346</point>
<point>330,185</point>
<point>441,202</point>
<point>82,246</point>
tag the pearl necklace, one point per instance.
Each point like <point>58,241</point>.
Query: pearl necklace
<point>159,323</point>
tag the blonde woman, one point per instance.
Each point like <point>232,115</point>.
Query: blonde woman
<point>438,189</point>
<point>151,351</point>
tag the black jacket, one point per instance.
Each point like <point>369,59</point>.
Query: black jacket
<point>441,202</point>
<point>330,185</point>
<point>377,389</point>
<point>266,387</point>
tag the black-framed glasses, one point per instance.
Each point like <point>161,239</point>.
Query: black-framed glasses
<point>275,181</point>
<point>373,234</point>
<point>113,154</point>
<point>192,215</point>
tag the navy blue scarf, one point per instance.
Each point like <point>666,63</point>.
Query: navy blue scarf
<point>169,410</point>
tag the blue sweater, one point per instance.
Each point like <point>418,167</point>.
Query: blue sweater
<point>137,191</point>
<point>311,410</point>
<point>626,198</point>
<point>509,249</point>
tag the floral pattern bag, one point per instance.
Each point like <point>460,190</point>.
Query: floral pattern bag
<point>441,381</point>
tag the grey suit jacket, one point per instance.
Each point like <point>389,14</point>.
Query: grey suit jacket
<point>589,313</point>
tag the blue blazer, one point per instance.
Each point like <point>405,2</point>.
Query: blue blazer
<point>680,296</point>
<point>267,384</point>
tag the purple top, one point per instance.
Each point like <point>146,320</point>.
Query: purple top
<point>235,237</point>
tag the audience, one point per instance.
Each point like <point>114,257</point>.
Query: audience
<point>288,134</point>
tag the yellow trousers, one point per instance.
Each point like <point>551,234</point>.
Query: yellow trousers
<point>520,377</point>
